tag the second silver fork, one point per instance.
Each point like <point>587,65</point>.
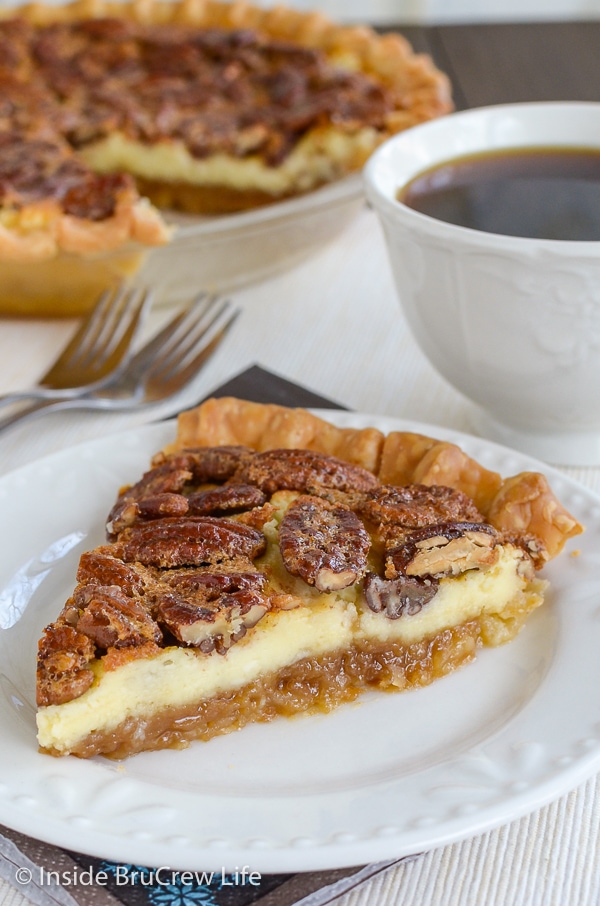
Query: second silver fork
<point>159,371</point>
<point>97,351</point>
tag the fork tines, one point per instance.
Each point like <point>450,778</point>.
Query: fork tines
<point>196,332</point>
<point>124,306</point>
<point>102,341</point>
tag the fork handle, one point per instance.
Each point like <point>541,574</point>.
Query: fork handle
<point>31,409</point>
<point>37,393</point>
<point>42,393</point>
<point>41,407</point>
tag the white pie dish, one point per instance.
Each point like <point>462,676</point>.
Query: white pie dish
<point>216,253</point>
<point>228,251</point>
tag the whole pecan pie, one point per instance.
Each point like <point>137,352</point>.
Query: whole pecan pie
<point>269,563</point>
<point>199,105</point>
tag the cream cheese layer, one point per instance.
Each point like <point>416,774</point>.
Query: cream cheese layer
<point>321,156</point>
<point>178,677</point>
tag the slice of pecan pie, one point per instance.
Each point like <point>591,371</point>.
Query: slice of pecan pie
<point>270,563</point>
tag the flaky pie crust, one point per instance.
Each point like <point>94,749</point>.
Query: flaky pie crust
<point>523,503</point>
<point>39,232</point>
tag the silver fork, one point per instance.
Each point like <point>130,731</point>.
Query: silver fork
<point>98,349</point>
<point>159,371</point>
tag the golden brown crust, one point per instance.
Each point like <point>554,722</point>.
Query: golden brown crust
<point>229,421</point>
<point>66,284</point>
<point>523,504</point>
<point>39,232</point>
<point>413,458</point>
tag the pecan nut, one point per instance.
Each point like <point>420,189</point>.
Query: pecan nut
<point>188,541</point>
<point>447,549</point>
<point>324,544</point>
<point>236,575</point>
<point>112,620</point>
<point>160,491</point>
<point>213,623</point>
<point>165,481</point>
<point>62,669</point>
<point>100,567</point>
<point>156,506</point>
<point>206,464</point>
<point>399,597</point>
<point>230,498</point>
<point>397,510</point>
<point>303,470</point>
<point>169,477</point>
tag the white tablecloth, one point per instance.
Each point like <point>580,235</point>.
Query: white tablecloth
<point>334,325</point>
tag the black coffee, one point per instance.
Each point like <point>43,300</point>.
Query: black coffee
<point>539,193</point>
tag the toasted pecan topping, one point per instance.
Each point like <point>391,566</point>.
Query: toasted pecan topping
<point>167,489</point>
<point>228,499</point>
<point>325,545</point>
<point>113,620</point>
<point>399,597</point>
<point>157,493</point>
<point>189,541</point>
<point>210,607</point>
<point>205,464</point>
<point>216,90</point>
<point>416,505</point>
<point>169,477</point>
<point>100,567</point>
<point>215,619</point>
<point>238,574</point>
<point>446,549</point>
<point>63,658</point>
<point>156,506</point>
<point>33,170</point>
<point>303,470</point>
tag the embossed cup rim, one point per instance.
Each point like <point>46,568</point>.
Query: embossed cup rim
<point>499,127</point>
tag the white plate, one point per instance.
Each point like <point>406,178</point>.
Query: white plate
<point>391,775</point>
<point>225,252</point>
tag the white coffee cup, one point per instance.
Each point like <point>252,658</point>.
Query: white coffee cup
<point>512,323</point>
